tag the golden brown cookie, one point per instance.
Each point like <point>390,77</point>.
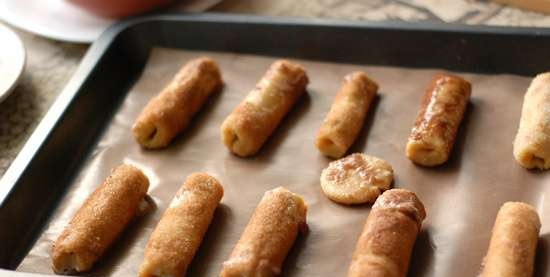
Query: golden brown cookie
<point>356,179</point>
<point>346,116</point>
<point>179,233</point>
<point>514,242</point>
<point>246,129</point>
<point>532,143</point>
<point>434,132</point>
<point>386,243</point>
<point>269,235</point>
<point>100,220</point>
<point>169,113</point>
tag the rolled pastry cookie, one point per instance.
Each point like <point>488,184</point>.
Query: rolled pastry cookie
<point>246,129</point>
<point>100,220</point>
<point>346,116</point>
<point>179,233</point>
<point>513,243</point>
<point>169,113</point>
<point>532,143</point>
<point>385,245</point>
<point>443,106</point>
<point>268,236</point>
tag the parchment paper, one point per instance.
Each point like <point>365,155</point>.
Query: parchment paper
<point>461,197</point>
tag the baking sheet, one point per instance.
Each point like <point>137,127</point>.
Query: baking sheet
<point>461,197</point>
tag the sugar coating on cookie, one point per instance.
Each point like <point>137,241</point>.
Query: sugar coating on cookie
<point>356,179</point>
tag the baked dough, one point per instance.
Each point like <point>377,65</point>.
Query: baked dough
<point>347,115</point>
<point>100,220</point>
<point>532,143</point>
<point>246,129</point>
<point>443,106</point>
<point>269,235</point>
<point>385,245</point>
<point>356,179</point>
<point>514,242</point>
<point>169,113</point>
<point>179,233</point>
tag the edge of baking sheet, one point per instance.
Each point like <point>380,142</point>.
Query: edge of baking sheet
<point>132,39</point>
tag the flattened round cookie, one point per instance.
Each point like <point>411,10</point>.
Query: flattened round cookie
<point>356,179</point>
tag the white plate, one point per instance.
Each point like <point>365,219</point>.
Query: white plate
<point>12,61</point>
<point>60,20</point>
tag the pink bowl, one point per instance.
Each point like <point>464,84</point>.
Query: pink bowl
<point>119,8</point>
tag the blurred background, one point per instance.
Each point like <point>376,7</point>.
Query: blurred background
<point>55,34</point>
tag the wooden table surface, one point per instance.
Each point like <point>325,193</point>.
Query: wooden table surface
<point>50,64</point>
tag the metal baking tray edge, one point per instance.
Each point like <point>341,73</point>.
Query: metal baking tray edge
<point>39,175</point>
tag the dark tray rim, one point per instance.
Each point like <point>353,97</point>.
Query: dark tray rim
<point>98,49</point>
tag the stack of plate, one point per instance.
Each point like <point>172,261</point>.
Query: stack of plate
<point>12,61</point>
<point>61,20</point>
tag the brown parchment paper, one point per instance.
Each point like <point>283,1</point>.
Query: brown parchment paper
<point>461,197</point>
